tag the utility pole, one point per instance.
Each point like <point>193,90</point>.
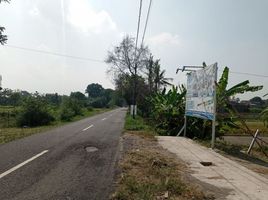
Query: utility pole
<point>0,82</point>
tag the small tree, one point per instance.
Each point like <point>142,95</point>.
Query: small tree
<point>94,90</point>
<point>70,107</point>
<point>35,112</point>
<point>156,76</point>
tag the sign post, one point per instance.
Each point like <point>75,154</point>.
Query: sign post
<point>201,95</point>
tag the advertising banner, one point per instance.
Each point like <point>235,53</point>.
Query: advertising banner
<point>201,91</point>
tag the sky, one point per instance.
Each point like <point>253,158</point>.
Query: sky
<point>180,32</point>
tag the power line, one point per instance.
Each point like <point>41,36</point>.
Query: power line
<point>138,29</point>
<point>100,61</point>
<point>146,23</point>
<point>54,53</point>
<point>249,74</point>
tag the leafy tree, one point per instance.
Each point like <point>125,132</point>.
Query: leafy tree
<point>124,88</point>
<point>104,100</point>
<point>15,98</point>
<point>70,107</point>
<point>34,112</point>
<point>168,110</point>
<point>257,101</point>
<point>94,90</point>
<point>127,60</point>
<point>78,95</point>
<point>3,38</point>
<point>53,99</point>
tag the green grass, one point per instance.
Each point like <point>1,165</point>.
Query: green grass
<point>253,126</point>
<point>135,124</point>
<point>13,133</point>
<point>237,150</point>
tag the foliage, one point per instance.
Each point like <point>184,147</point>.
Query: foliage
<point>264,116</point>
<point>135,124</point>
<point>10,97</point>
<point>257,101</point>
<point>94,90</point>
<point>168,110</point>
<point>226,112</point>
<point>156,76</point>
<point>34,112</point>
<point>70,107</point>
<point>53,99</point>
<point>129,61</point>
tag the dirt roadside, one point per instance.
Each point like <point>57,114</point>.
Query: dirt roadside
<point>147,171</point>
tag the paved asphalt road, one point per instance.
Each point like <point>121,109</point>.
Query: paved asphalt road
<point>55,164</point>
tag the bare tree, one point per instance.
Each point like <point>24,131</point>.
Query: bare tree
<point>128,60</point>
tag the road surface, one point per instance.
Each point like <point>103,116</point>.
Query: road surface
<point>58,165</point>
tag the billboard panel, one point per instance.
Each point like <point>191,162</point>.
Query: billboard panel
<point>201,91</point>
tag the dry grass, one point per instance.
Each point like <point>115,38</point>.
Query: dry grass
<point>148,172</point>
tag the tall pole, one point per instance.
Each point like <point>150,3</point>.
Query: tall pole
<point>214,109</point>
<point>185,125</point>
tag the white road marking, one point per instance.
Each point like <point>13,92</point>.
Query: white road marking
<point>88,127</point>
<point>22,164</point>
<point>104,119</point>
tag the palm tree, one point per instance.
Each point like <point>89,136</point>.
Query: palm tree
<point>156,76</point>
<point>159,77</point>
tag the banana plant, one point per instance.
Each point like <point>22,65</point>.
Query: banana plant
<point>226,113</point>
<point>264,116</point>
<point>168,109</point>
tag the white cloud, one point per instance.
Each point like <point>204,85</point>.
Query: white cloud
<point>83,16</point>
<point>164,38</point>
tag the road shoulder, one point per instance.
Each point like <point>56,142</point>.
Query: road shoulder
<point>147,171</point>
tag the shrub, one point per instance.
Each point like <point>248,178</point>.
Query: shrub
<point>70,108</point>
<point>34,112</point>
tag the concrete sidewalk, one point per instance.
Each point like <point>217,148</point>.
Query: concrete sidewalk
<point>232,180</point>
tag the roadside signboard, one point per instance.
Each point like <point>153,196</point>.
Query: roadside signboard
<point>201,93</point>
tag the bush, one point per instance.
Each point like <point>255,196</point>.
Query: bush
<point>70,108</point>
<point>99,102</point>
<point>34,112</point>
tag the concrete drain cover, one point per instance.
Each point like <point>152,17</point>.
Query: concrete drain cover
<point>91,149</point>
<point>206,163</point>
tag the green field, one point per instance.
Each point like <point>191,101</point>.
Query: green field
<point>253,126</point>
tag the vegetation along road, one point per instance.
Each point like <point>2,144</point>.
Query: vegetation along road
<point>75,161</point>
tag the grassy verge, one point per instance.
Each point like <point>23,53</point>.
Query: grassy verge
<point>148,171</point>
<point>238,151</point>
<point>135,124</point>
<point>13,133</point>
<point>253,126</point>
